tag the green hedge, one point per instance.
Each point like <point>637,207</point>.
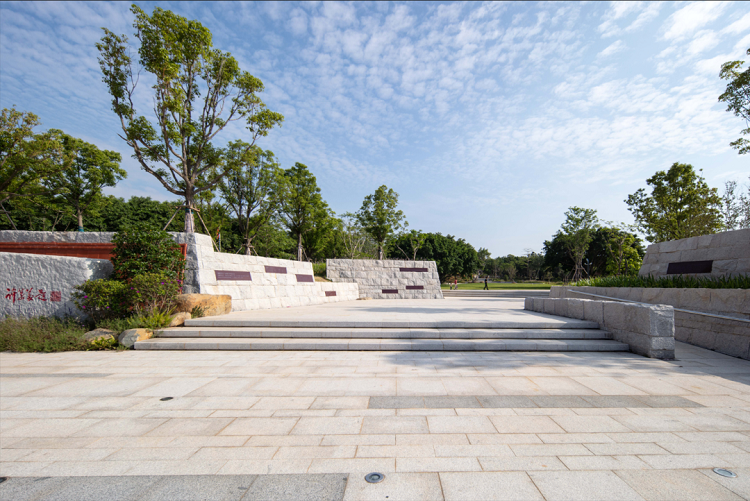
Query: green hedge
<point>671,282</point>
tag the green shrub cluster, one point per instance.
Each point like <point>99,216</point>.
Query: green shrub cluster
<point>669,282</point>
<point>319,269</point>
<point>142,248</point>
<point>42,334</point>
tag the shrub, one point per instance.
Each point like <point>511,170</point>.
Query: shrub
<point>668,282</point>
<point>151,292</point>
<point>42,334</point>
<point>101,299</point>
<point>319,269</point>
<point>197,312</point>
<point>141,248</point>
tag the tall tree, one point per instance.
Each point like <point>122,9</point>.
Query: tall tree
<point>737,98</point>
<point>251,189</point>
<point>379,216</point>
<point>681,205</point>
<point>576,233</point>
<point>177,149</point>
<point>26,158</point>
<point>77,189</point>
<point>301,202</point>
<point>735,206</point>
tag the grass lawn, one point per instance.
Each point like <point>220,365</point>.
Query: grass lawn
<point>506,287</point>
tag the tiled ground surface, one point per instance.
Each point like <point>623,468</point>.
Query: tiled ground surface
<point>465,425</point>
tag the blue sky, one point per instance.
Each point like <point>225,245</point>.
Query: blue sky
<point>489,119</point>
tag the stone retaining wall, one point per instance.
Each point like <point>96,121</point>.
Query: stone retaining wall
<point>272,283</point>
<point>648,330</point>
<point>35,285</point>
<point>387,279</point>
<point>725,336</point>
<point>727,252</point>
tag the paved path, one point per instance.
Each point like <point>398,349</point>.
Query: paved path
<point>449,425</point>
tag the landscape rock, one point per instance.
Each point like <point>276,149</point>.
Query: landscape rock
<point>212,304</point>
<point>179,319</point>
<point>99,334</point>
<point>129,337</point>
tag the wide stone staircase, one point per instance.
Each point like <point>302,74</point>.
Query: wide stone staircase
<point>222,333</point>
<point>494,294</point>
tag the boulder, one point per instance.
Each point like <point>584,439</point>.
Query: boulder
<point>99,334</point>
<point>212,304</point>
<point>129,337</point>
<point>179,319</point>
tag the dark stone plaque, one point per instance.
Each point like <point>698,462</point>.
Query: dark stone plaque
<point>686,267</point>
<point>232,275</point>
<point>390,291</point>
<point>415,287</point>
<point>330,293</point>
<point>414,270</point>
<point>275,269</point>
<point>305,278</point>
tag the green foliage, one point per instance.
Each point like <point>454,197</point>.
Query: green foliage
<point>669,282</point>
<point>27,158</point>
<point>379,217</point>
<point>197,312</point>
<point>250,189</point>
<point>77,190</point>
<point>319,269</point>
<point>42,335</point>
<point>576,235</point>
<point>152,320</point>
<point>681,205</point>
<point>141,249</point>
<point>453,257</point>
<point>737,98</point>
<point>101,299</point>
<point>119,324</point>
<point>301,205</point>
<point>104,344</point>
<point>199,91</point>
<point>153,292</point>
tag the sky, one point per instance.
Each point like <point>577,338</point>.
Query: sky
<point>488,119</point>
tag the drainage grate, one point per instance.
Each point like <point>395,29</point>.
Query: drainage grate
<point>374,478</point>
<point>725,473</point>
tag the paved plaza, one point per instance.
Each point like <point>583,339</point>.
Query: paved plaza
<point>310,424</point>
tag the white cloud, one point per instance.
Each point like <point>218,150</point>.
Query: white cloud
<point>742,24</point>
<point>613,48</point>
<point>691,18</point>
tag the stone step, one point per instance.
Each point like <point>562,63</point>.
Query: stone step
<point>336,344</point>
<point>540,323</point>
<point>495,294</point>
<point>365,333</point>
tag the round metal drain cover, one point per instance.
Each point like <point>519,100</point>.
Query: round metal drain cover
<point>166,398</point>
<point>725,473</point>
<point>374,478</point>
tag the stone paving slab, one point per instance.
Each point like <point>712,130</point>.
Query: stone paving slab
<point>541,424</point>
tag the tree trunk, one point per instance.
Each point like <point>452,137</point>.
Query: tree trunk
<point>380,251</point>
<point>189,216</point>
<point>299,247</point>
<point>248,247</point>
<point>80,219</point>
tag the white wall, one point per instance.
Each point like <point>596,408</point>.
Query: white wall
<point>375,276</point>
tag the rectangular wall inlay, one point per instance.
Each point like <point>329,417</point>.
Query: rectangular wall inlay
<point>416,270</point>
<point>330,293</point>
<point>232,275</point>
<point>415,287</point>
<point>690,267</point>
<point>305,278</point>
<point>390,291</point>
<point>275,269</point>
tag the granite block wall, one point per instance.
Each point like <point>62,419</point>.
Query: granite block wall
<point>729,253</point>
<point>728,336</point>
<point>647,329</point>
<point>33,285</point>
<point>253,282</point>
<point>381,279</point>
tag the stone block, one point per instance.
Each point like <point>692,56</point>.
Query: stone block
<point>661,320</point>
<point>131,336</point>
<point>99,334</point>
<point>575,309</point>
<point>592,310</point>
<point>179,319</point>
<point>211,304</point>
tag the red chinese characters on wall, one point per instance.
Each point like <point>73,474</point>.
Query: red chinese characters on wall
<point>23,294</point>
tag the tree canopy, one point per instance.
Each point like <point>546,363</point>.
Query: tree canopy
<point>199,91</point>
<point>680,205</point>
<point>380,217</point>
<point>737,98</point>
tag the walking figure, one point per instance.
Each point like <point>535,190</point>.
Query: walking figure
<point>485,285</point>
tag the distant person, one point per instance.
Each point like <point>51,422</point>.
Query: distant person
<point>485,285</point>
<point>455,284</point>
